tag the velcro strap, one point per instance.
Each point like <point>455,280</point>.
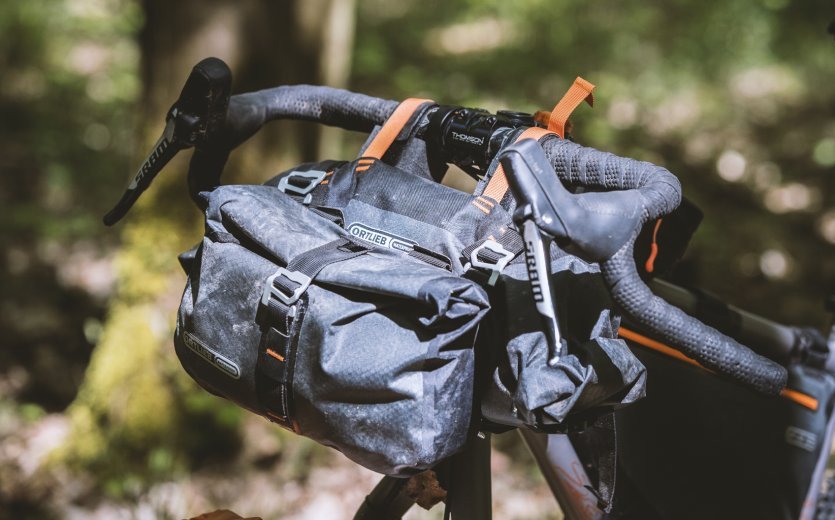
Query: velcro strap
<point>581,90</point>
<point>392,127</point>
<point>497,186</point>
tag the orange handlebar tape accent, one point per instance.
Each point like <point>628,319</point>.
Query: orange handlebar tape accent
<point>581,90</point>
<point>497,186</point>
<point>658,347</point>
<point>653,248</point>
<point>392,127</point>
<point>807,401</point>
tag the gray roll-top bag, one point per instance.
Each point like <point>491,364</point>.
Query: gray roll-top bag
<point>348,302</point>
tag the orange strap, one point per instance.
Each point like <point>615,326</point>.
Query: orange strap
<point>497,186</point>
<point>581,90</point>
<point>392,127</point>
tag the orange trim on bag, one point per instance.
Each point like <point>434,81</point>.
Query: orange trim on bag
<point>497,186</point>
<point>581,90</point>
<point>800,398</point>
<point>484,209</point>
<point>392,127</point>
<point>275,354</point>
<point>807,401</point>
<point>653,248</point>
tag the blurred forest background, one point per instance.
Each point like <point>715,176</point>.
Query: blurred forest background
<point>97,419</point>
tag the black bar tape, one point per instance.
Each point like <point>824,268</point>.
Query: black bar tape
<point>705,344</point>
<point>582,166</point>
<point>330,106</point>
<point>661,190</point>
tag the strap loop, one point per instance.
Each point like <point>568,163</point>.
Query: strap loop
<point>581,90</point>
<point>497,186</point>
<point>392,127</point>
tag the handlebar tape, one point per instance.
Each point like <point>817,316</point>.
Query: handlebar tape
<point>705,344</point>
<point>578,165</point>
<point>326,105</point>
<point>661,191</point>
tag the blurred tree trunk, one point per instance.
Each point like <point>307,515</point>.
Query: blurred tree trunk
<point>132,399</point>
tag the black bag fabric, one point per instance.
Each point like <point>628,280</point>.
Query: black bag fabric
<point>597,376</point>
<point>388,205</point>
<point>701,447</point>
<point>374,359</point>
<point>392,271</point>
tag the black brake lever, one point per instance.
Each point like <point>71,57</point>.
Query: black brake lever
<point>592,225</point>
<point>195,119</point>
<point>539,230</point>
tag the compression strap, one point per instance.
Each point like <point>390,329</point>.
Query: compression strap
<point>392,127</point>
<point>498,186</point>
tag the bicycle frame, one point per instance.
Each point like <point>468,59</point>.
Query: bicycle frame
<point>471,481</point>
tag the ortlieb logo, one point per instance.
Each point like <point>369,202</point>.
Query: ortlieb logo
<point>380,238</point>
<point>802,439</point>
<point>221,363</point>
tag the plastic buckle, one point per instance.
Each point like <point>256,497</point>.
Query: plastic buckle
<point>313,178</point>
<point>494,268</point>
<point>270,290</point>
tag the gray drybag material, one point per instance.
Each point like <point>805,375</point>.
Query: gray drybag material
<point>375,357</point>
<point>598,373</point>
<point>341,300</point>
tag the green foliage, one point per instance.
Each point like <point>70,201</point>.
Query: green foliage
<point>69,87</point>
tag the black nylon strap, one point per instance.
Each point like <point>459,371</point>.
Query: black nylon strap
<point>287,284</point>
<point>281,330</point>
<point>274,370</point>
<point>430,257</point>
<point>332,214</point>
<point>312,262</point>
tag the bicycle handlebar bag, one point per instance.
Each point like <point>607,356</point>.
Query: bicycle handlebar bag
<point>362,348</point>
<point>392,199</point>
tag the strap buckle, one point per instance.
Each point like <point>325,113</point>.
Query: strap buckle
<point>311,177</point>
<point>287,298</point>
<point>496,267</point>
